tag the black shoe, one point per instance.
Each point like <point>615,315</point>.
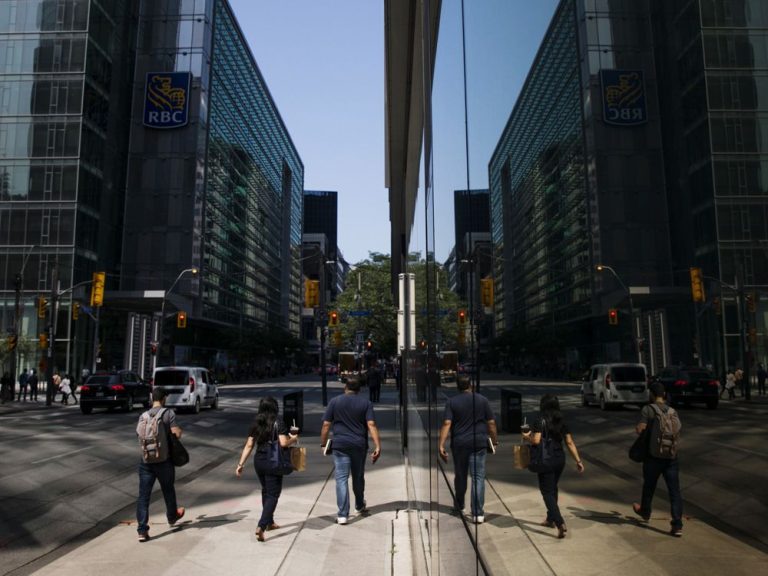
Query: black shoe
<point>676,532</point>
<point>639,511</point>
<point>143,536</point>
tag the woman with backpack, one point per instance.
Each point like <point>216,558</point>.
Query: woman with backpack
<point>267,427</point>
<point>550,432</point>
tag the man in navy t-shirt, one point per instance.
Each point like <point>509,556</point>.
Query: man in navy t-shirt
<point>469,419</point>
<point>351,417</point>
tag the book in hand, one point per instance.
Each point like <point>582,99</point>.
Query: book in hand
<point>491,447</point>
<point>327,449</point>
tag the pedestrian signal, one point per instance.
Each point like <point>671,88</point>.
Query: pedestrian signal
<point>11,342</point>
<point>716,306</point>
<point>43,340</point>
<point>486,292</point>
<point>75,310</point>
<point>751,298</point>
<point>369,344</point>
<point>613,316</point>
<point>42,305</point>
<point>181,319</point>
<point>333,318</point>
<point>97,288</point>
<point>462,317</point>
<point>697,285</point>
<point>311,293</point>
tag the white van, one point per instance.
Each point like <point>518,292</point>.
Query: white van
<point>188,387</point>
<point>614,385</point>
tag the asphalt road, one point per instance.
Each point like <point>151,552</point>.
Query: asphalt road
<point>66,477</point>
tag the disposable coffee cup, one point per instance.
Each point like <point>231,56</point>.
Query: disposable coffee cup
<point>294,429</point>
<point>525,427</point>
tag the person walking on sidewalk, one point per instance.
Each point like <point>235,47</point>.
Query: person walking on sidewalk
<point>23,383</point>
<point>66,390</point>
<point>762,375</point>
<point>266,424</point>
<point>6,387</point>
<point>161,467</point>
<point>32,382</point>
<point>374,382</point>
<point>551,426</point>
<point>663,425</point>
<point>730,385</point>
<point>350,417</point>
<point>469,420</point>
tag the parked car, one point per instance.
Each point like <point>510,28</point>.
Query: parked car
<point>122,388</point>
<point>615,384</point>
<point>188,387</point>
<point>688,384</point>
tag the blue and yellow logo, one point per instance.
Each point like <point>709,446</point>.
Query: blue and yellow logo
<point>166,102</point>
<point>623,97</point>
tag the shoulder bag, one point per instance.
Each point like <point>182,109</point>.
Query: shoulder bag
<point>639,449</point>
<point>542,454</point>
<point>176,451</point>
<point>278,458</point>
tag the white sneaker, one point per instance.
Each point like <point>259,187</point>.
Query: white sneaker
<point>341,520</point>
<point>478,519</point>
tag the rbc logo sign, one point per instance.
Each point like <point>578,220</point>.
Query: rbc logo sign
<point>623,97</point>
<point>166,100</point>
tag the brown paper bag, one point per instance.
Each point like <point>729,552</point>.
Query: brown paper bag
<point>299,458</point>
<point>522,456</point>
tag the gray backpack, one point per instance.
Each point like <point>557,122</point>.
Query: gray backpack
<point>153,437</point>
<point>665,433</point>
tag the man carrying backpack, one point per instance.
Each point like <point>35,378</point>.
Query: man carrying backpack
<point>662,427</point>
<point>153,429</point>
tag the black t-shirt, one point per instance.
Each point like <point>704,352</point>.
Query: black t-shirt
<point>469,414</point>
<point>349,414</point>
<point>281,429</point>
<point>538,427</point>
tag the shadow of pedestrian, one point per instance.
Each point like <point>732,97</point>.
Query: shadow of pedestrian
<point>613,517</point>
<point>204,521</point>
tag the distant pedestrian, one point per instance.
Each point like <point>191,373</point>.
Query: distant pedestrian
<point>57,385</point>
<point>551,426</point>
<point>762,375</point>
<point>660,462</point>
<point>84,373</point>
<point>266,426</point>
<point>6,387</point>
<point>351,419</point>
<point>739,375</point>
<point>73,386</point>
<point>730,385</point>
<point>160,468</point>
<point>374,383</point>
<point>66,390</point>
<point>469,420</point>
<point>33,382</point>
<point>23,384</point>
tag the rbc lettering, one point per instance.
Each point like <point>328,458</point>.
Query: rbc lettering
<point>165,117</point>
<point>626,114</point>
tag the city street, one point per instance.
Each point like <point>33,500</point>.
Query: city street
<point>68,487</point>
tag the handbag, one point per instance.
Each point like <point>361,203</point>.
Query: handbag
<point>178,454</point>
<point>639,449</point>
<point>522,456</point>
<point>543,453</point>
<point>278,458</point>
<point>299,458</point>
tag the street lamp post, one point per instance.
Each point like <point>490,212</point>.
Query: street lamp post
<point>633,331</point>
<point>16,328</point>
<point>194,271</point>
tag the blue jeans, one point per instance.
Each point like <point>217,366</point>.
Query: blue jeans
<point>350,461</point>
<point>652,469</point>
<point>271,488</point>
<point>166,474</point>
<point>549,492</point>
<point>466,462</point>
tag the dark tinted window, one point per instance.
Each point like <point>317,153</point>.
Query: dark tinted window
<point>697,375</point>
<point>171,378</point>
<point>628,374</point>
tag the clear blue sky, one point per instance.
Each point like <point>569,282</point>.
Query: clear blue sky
<point>323,61</point>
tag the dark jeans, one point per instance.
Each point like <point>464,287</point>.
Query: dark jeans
<point>165,473</point>
<point>22,391</point>
<point>761,385</point>
<point>374,392</point>
<point>652,469</point>
<point>549,491</point>
<point>271,488</point>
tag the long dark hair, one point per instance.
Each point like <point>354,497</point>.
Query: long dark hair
<point>265,419</point>
<point>550,411</point>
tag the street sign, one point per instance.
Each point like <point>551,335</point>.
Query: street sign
<point>359,312</point>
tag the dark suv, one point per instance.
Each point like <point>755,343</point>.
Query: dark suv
<point>687,384</point>
<point>123,389</point>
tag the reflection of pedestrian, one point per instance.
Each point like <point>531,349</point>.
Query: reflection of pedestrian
<point>23,383</point>
<point>551,426</point>
<point>739,374</point>
<point>73,386</point>
<point>32,382</point>
<point>66,390</point>
<point>469,420</point>
<point>730,385</point>
<point>761,377</point>
<point>351,417</point>
<point>6,387</point>
<point>265,427</point>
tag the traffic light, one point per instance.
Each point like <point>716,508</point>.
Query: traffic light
<point>333,318</point>
<point>311,293</point>
<point>43,340</point>
<point>42,305</point>
<point>153,348</point>
<point>462,317</point>
<point>181,319</point>
<point>751,298</point>
<point>10,342</point>
<point>369,344</point>
<point>613,316</point>
<point>697,285</point>
<point>75,310</point>
<point>423,344</point>
<point>486,292</point>
<point>97,288</point>
<point>716,306</point>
